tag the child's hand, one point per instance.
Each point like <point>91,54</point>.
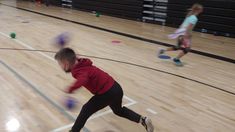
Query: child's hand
<point>67,90</point>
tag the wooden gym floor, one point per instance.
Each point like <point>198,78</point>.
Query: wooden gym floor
<point>199,97</point>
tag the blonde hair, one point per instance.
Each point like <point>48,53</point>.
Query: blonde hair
<point>196,7</point>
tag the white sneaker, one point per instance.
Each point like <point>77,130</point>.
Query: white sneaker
<point>147,123</point>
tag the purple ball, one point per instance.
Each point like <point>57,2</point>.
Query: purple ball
<point>62,39</point>
<point>70,103</point>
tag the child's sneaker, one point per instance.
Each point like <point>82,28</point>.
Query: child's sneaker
<point>147,123</point>
<point>177,62</point>
<point>160,51</point>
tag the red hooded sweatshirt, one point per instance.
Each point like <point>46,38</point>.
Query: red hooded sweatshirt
<point>91,77</point>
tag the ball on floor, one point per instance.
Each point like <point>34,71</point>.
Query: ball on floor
<point>13,35</point>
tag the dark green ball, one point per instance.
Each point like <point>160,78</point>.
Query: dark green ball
<point>97,14</point>
<point>13,35</point>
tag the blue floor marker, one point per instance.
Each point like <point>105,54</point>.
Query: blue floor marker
<point>164,57</point>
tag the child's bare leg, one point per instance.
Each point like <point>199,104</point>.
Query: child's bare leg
<point>174,48</point>
<point>181,54</point>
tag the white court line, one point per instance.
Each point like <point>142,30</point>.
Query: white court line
<point>92,117</point>
<point>27,46</point>
<point>132,102</point>
<point>110,111</point>
<point>62,128</point>
<point>151,111</point>
<point>48,57</point>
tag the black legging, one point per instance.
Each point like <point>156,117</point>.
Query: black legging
<point>113,99</point>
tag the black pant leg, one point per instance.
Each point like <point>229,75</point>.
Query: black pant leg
<point>93,105</point>
<point>116,106</point>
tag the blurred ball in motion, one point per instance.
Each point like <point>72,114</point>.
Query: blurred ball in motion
<point>70,103</point>
<point>62,40</point>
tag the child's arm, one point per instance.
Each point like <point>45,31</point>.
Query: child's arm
<point>82,79</point>
<point>192,22</point>
<point>189,29</point>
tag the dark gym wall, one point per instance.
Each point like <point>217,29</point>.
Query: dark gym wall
<point>218,15</point>
<point>55,2</point>
<point>131,9</point>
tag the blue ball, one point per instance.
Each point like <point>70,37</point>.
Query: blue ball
<point>62,39</point>
<point>70,103</point>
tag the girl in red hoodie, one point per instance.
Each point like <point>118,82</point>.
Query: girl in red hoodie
<point>107,92</point>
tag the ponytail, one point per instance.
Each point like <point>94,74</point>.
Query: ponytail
<point>194,9</point>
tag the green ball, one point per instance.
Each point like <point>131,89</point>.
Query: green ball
<point>97,14</point>
<point>13,35</point>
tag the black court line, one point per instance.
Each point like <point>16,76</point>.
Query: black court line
<point>36,89</point>
<point>133,64</point>
<point>127,35</point>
